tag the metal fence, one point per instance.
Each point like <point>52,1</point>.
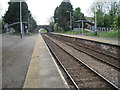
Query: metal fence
<point>104,29</point>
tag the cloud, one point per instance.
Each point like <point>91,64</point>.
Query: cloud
<point>43,10</point>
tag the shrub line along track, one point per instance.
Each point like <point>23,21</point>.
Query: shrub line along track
<point>77,46</point>
<point>82,64</point>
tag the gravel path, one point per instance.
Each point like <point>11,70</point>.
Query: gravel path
<point>107,71</point>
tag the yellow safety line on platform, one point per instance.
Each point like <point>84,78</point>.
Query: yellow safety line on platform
<point>32,78</point>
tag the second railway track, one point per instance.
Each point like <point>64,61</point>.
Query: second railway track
<point>110,59</point>
<point>81,74</point>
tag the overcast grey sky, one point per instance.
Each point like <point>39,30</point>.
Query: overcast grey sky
<point>42,10</point>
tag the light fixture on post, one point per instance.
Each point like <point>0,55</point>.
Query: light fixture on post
<point>70,19</point>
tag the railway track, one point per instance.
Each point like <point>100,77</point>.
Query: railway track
<point>112,60</point>
<point>81,75</point>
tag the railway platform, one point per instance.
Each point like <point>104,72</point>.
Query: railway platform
<point>43,71</point>
<point>112,41</point>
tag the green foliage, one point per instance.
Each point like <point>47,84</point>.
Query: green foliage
<point>0,20</point>
<point>43,31</point>
<point>106,13</point>
<point>0,23</point>
<point>106,21</point>
<point>62,15</point>
<point>73,32</point>
<point>100,18</point>
<point>31,24</point>
<point>117,22</point>
<point>70,32</point>
<point>110,34</point>
<point>13,15</point>
<point>52,25</point>
<point>56,27</point>
<point>77,15</point>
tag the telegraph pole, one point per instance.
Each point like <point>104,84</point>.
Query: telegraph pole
<point>95,20</point>
<point>21,27</point>
<point>71,20</point>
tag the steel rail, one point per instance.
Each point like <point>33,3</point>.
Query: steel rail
<point>98,51</point>
<point>113,56</point>
<point>67,73</point>
<point>117,67</point>
<point>95,50</point>
<point>105,79</point>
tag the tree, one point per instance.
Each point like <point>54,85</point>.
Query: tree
<point>62,15</point>
<point>52,25</point>
<point>31,23</point>
<point>116,22</point>
<point>77,15</point>
<point>0,23</point>
<point>13,14</point>
<point>106,13</point>
<point>0,20</point>
<point>56,27</point>
<point>100,18</point>
<point>116,14</point>
<point>106,21</point>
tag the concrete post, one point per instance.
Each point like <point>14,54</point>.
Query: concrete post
<point>21,27</point>
<point>82,27</point>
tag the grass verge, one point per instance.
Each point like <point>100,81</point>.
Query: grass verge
<point>73,32</point>
<point>110,34</point>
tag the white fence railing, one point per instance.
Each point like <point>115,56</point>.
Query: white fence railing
<point>104,29</point>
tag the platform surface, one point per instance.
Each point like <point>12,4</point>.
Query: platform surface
<point>43,71</point>
<point>16,56</point>
<point>114,41</point>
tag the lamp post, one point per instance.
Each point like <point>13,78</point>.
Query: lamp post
<point>21,21</point>
<point>70,20</point>
<point>95,21</point>
<point>29,22</point>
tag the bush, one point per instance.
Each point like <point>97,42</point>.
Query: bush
<point>110,34</point>
<point>56,27</point>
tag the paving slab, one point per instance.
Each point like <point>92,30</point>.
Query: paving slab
<point>16,56</point>
<point>48,74</point>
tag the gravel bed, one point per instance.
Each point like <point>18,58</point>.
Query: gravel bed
<point>90,51</point>
<point>82,75</point>
<point>107,71</point>
<point>111,50</point>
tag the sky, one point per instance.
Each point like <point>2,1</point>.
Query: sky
<point>42,10</point>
